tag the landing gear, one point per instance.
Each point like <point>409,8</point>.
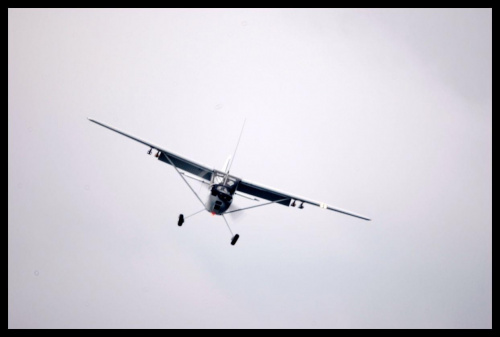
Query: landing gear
<point>157,155</point>
<point>182,218</point>
<point>151,149</point>
<point>234,238</point>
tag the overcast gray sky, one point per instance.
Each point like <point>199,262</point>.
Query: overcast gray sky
<point>387,113</point>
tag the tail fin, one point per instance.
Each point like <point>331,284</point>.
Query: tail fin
<point>234,154</point>
<point>225,168</point>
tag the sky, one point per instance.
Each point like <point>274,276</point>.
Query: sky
<point>383,112</point>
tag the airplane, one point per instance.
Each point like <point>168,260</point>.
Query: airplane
<point>224,186</point>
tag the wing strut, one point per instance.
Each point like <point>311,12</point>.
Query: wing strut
<point>195,178</point>
<point>267,203</point>
<point>175,167</point>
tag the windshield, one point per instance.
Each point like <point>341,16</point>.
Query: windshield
<point>219,178</point>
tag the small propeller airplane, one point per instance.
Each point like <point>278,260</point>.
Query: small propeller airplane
<point>224,186</point>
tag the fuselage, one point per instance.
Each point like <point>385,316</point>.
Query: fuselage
<point>222,188</point>
<point>220,199</point>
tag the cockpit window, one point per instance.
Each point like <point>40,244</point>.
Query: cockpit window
<point>222,189</point>
<point>222,178</point>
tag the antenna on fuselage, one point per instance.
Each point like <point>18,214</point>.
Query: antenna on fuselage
<point>234,154</point>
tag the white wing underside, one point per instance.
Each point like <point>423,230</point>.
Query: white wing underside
<point>273,194</point>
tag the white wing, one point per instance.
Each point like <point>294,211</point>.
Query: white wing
<point>244,186</point>
<point>180,162</point>
<point>273,194</point>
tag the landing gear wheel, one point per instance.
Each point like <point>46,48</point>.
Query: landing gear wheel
<point>234,239</point>
<point>181,220</point>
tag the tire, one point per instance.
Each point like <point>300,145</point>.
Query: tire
<point>235,239</point>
